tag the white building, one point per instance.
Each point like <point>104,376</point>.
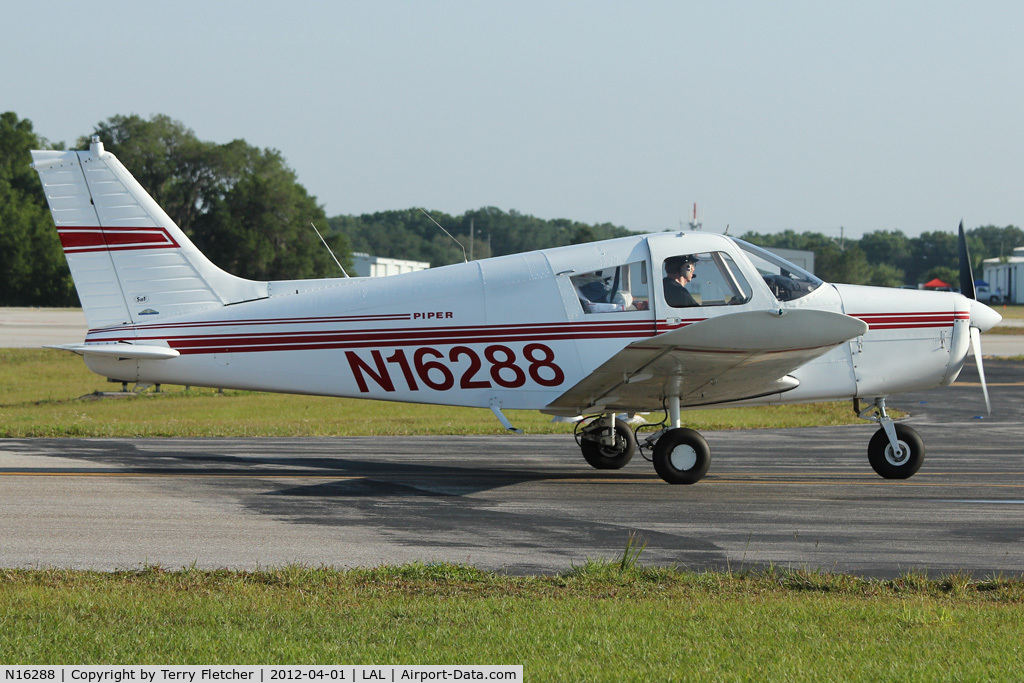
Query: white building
<point>378,266</point>
<point>798,257</point>
<point>1005,276</point>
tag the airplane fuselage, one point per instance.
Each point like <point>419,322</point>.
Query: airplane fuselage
<point>661,321</point>
<point>513,331</point>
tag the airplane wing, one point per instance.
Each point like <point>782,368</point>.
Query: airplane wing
<point>728,358</point>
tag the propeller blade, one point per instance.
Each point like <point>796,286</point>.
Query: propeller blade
<point>966,272</point>
<point>976,347</point>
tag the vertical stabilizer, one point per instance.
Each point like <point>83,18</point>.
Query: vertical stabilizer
<point>131,264</point>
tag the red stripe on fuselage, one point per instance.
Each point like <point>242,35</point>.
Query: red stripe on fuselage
<point>380,338</point>
<point>909,321</point>
<point>313,339</point>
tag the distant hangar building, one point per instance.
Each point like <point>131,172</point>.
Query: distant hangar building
<point>1005,276</point>
<point>379,266</point>
<point>798,257</point>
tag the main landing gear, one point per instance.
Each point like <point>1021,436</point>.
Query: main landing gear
<point>895,451</point>
<point>680,455</point>
<point>607,443</point>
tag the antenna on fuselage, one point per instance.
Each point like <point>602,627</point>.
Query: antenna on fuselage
<point>466,260</point>
<point>329,250</point>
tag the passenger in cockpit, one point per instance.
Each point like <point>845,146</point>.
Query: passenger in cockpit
<point>678,272</point>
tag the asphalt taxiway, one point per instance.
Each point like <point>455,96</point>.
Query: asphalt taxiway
<point>527,504</point>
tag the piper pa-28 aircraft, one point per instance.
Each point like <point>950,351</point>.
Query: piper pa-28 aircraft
<point>600,329</point>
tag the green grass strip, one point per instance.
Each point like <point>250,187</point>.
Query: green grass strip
<point>597,622</point>
<point>49,393</point>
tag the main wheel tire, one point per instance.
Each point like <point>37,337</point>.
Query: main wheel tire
<point>611,458</point>
<point>682,456</point>
<point>886,463</point>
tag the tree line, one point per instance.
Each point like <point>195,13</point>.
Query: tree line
<point>413,234</point>
<point>889,258</point>
<point>245,209</point>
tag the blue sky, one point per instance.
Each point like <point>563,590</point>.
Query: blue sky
<point>801,115</point>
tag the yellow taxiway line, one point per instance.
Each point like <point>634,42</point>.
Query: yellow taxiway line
<point>730,478</point>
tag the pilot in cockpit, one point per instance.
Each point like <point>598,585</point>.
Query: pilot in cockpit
<point>678,272</point>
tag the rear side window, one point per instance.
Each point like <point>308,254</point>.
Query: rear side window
<point>614,290</point>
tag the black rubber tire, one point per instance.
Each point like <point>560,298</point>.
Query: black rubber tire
<point>880,453</point>
<point>689,464</point>
<point>602,458</point>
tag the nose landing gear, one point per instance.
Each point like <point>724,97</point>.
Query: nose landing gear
<point>895,451</point>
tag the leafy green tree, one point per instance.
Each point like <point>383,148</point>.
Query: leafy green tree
<point>947,274</point>
<point>886,275</point>
<point>852,266</point>
<point>152,151</point>
<point>888,248</point>
<point>33,271</point>
<point>259,225</point>
<point>831,262</point>
<point>242,206</point>
<point>583,235</point>
<point>994,242</point>
<point>408,234</point>
<point>405,234</point>
<point>934,250</point>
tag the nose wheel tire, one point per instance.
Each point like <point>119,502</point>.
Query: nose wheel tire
<point>615,457</point>
<point>890,464</point>
<point>681,456</point>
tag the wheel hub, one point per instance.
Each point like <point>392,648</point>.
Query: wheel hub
<point>683,457</point>
<point>613,450</point>
<point>897,459</point>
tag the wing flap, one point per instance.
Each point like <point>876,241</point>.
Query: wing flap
<point>728,358</point>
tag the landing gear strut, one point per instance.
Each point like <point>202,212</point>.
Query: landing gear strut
<point>895,451</point>
<point>680,455</point>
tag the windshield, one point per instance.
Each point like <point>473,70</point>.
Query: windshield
<point>787,282</point>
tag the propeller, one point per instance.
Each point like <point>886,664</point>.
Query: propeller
<point>976,347</point>
<point>966,274</point>
<point>967,289</point>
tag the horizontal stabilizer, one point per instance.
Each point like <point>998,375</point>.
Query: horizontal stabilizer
<point>120,350</point>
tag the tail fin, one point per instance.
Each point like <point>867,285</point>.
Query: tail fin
<point>129,261</point>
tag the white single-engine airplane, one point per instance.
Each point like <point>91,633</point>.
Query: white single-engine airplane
<point>603,329</point>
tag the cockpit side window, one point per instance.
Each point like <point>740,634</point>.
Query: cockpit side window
<point>704,279</point>
<point>787,281</point>
<point>614,290</point>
